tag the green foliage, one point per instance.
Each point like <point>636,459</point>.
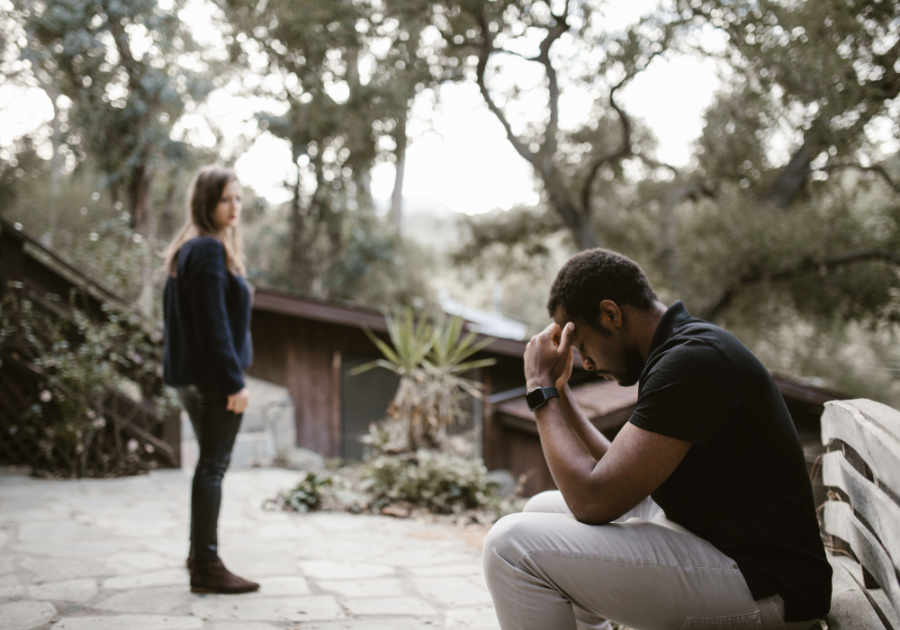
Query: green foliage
<point>440,482</point>
<point>124,103</point>
<point>305,497</point>
<point>509,242</point>
<point>411,341</point>
<point>78,361</point>
<point>430,358</point>
<point>377,266</point>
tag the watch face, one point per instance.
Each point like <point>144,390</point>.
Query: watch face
<point>535,398</point>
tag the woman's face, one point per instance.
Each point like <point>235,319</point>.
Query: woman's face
<point>228,211</point>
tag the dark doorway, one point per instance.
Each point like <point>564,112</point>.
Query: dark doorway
<point>364,400</point>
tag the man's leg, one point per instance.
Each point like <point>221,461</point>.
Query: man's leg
<point>547,570</point>
<point>551,501</point>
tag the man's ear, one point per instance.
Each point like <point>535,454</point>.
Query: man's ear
<point>610,315</point>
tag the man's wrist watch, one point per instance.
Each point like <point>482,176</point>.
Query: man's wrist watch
<point>540,396</point>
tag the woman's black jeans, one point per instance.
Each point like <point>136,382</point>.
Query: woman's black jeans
<point>216,429</point>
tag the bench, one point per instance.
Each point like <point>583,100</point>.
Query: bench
<point>861,472</point>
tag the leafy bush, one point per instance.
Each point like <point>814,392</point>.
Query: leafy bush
<point>438,481</point>
<point>71,370</point>
<point>304,497</point>
<point>430,358</point>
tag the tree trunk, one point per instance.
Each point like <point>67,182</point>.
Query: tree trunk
<point>166,226</point>
<point>140,189</point>
<point>793,177</point>
<point>56,142</point>
<point>397,193</point>
<point>46,83</point>
<point>298,265</point>
<point>364,190</point>
<point>576,219</point>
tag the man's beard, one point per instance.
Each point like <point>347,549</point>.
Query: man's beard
<point>633,365</point>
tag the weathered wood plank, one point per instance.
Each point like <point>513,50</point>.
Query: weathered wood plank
<point>840,522</point>
<point>850,608</point>
<point>872,430</point>
<point>878,509</point>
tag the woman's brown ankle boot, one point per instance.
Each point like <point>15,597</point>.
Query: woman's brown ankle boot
<point>211,576</point>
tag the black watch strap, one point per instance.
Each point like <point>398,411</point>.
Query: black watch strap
<point>539,396</point>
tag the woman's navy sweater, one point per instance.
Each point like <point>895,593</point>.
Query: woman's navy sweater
<point>206,310</point>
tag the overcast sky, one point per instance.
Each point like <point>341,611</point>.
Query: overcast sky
<point>459,155</point>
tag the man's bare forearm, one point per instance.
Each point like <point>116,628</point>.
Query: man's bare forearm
<point>595,441</point>
<point>568,458</point>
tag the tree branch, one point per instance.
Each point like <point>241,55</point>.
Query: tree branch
<point>487,47</point>
<point>554,32</point>
<point>132,68</point>
<point>873,169</point>
<point>756,275</point>
<point>622,151</point>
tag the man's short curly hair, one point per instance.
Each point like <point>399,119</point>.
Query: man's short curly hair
<point>595,275</point>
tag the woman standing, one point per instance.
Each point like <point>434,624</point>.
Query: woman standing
<point>206,307</point>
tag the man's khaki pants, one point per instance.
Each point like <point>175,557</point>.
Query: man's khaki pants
<point>547,571</point>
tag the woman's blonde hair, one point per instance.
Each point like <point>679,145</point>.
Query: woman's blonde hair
<point>203,197</point>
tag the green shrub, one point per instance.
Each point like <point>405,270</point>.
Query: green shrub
<point>304,497</point>
<point>67,367</point>
<point>441,482</point>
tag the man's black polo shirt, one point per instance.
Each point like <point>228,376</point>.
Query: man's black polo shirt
<point>743,485</point>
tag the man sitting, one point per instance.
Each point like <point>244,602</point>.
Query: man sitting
<point>698,515</point>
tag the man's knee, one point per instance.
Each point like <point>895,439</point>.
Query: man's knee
<point>550,501</point>
<point>508,541</point>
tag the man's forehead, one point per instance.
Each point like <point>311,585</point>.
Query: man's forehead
<point>562,318</point>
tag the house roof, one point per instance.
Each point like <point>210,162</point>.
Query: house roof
<point>59,264</point>
<point>351,315</point>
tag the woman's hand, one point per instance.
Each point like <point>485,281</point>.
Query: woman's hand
<point>238,402</point>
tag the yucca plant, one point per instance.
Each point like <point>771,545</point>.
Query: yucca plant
<point>430,358</point>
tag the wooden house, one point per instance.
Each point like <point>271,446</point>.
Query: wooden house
<point>311,346</point>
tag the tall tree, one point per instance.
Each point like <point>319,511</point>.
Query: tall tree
<point>348,75</point>
<point>490,36</point>
<point>812,76</point>
<point>124,67</point>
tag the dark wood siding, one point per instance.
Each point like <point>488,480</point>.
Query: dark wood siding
<point>305,357</point>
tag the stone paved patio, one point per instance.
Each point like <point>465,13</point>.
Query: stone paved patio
<point>109,555</point>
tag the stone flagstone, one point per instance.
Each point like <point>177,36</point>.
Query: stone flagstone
<point>57,569</point>
<point>482,618</point>
<point>283,585</point>
<point>167,577</point>
<point>398,623</point>
<point>83,590</point>
<point>241,625</point>
<point>328,570</point>
<point>159,600</point>
<point>453,591</point>
<point>381,587</point>
<point>79,556</point>
<point>11,590</point>
<point>129,622</point>
<point>25,615</point>
<point>230,608</point>
<point>390,606</point>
